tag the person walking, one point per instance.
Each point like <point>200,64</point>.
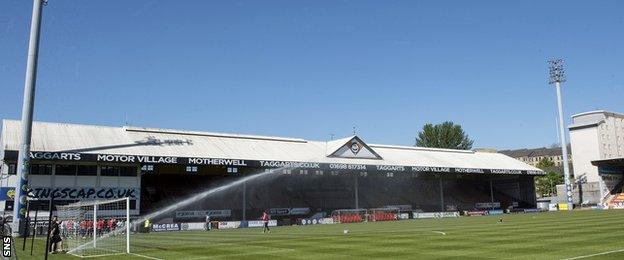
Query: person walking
<point>55,237</point>
<point>208,222</point>
<point>265,219</point>
<point>147,226</point>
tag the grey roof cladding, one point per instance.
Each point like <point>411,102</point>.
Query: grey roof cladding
<point>534,152</point>
<point>91,139</point>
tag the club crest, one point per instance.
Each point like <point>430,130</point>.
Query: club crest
<point>355,147</point>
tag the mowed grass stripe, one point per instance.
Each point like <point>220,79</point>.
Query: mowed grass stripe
<point>341,248</point>
<point>555,235</point>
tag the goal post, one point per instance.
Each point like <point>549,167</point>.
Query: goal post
<point>95,227</point>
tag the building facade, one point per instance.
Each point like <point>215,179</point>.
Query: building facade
<point>597,142</point>
<point>534,156</point>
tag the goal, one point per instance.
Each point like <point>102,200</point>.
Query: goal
<point>96,227</point>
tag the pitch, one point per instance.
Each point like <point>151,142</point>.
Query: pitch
<point>556,235</point>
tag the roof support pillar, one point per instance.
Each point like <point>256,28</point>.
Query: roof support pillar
<point>441,194</point>
<point>357,199</point>
<point>491,193</point>
<point>244,207</point>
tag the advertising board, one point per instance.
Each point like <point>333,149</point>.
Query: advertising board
<point>552,207</point>
<point>229,224</point>
<point>193,226</point>
<point>487,205</point>
<point>260,223</point>
<point>403,216</point>
<point>166,227</point>
<point>495,212</point>
<point>476,213</point>
<point>419,215</point>
<point>316,221</point>
<point>213,213</point>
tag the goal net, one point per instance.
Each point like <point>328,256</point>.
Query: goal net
<point>349,215</point>
<point>95,228</point>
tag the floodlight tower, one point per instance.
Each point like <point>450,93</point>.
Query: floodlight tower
<point>23,160</point>
<point>557,76</point>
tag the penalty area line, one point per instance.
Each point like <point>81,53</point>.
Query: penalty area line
<point>597,254</point>
<point>145,256</point>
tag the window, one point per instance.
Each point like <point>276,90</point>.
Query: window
<point>8,205</point>
<point>108,171</point>
<point>90,170</point>
<point>41,169</point>
<point>127,171</point>
<point>12,168</point>
<point>62,169</point>
<point>147,168</point>
<point>232,170</point>
<point>191,168</point>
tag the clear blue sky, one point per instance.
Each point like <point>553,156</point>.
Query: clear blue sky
<point>313,68</point>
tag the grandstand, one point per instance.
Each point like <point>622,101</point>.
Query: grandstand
<point>158,167</point>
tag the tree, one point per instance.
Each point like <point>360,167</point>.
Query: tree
<point>547,185</point>
<point>445,135</point>
<point>545,164</point>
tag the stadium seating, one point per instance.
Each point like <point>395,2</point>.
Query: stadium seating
<point>382,216</point>
<point>348,218</point>
<point>617,200</point>
<point>328,193</point>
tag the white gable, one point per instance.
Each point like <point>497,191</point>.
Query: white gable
<point>355,148</point>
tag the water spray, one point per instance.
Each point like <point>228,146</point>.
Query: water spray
<point>187,201</point>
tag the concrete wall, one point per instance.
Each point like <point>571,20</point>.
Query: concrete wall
<point>585,148</point>
<point>587,193</point>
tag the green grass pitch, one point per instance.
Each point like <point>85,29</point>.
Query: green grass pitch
<point>556,235</point>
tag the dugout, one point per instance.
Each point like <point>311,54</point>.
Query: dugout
<point>158,167</point>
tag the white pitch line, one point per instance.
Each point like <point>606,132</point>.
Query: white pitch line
<point>148,257</point>
<point>598,254</point>
<point>439,232</point>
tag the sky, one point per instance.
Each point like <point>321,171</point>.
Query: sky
<point>313,69</point>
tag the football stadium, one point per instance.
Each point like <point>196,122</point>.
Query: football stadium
<point>309,179</point>
<point>136,193</point>
<point>126,191</point>
<point>75,191</point>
